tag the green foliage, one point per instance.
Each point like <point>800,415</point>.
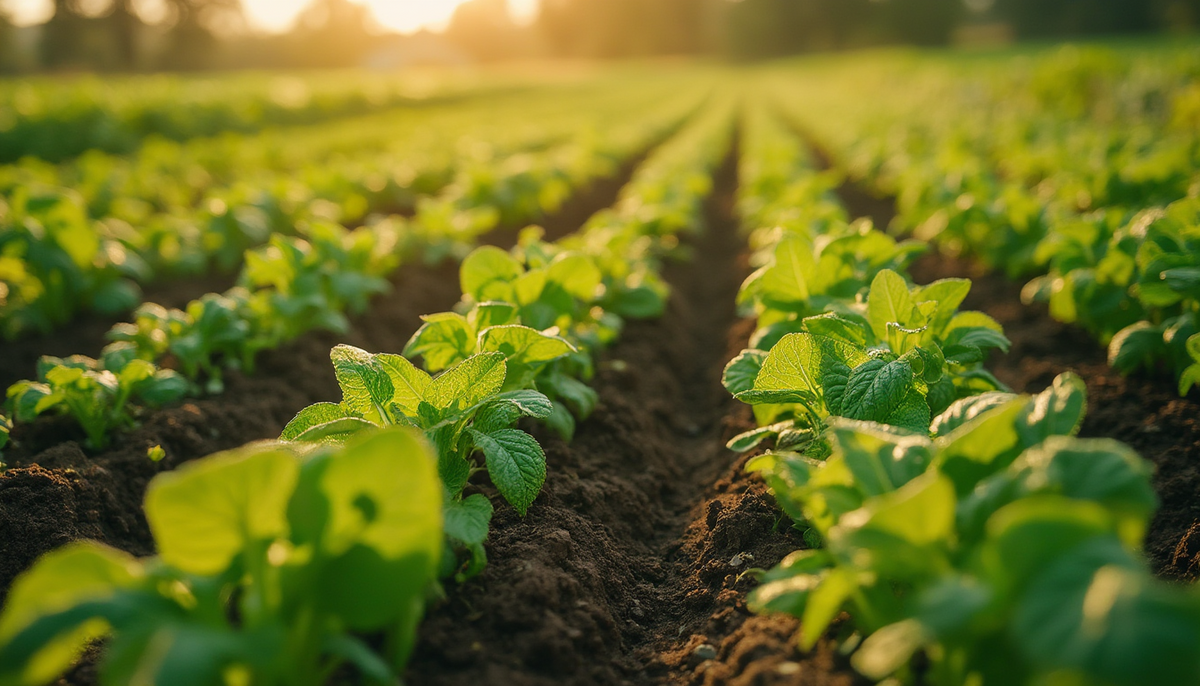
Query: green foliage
<point>899,358</point>
<point>96,393</point>
<point>269,558</point>
<point>986,548</point>
<point>1076,166</point>
<point>463,411</point>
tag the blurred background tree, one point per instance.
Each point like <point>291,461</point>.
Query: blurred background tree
<point>198,34</point>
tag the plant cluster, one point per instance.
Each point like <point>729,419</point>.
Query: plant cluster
<point>1136,286</point>
<point>521,343</point>
<point>840,332</point>
<point>970,535</point>
<point>84,235</point>
<point>274,562</point>
<point>993,548</point>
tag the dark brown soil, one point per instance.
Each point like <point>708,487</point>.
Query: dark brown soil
<point>1143,412</point>
<point>625,564</point>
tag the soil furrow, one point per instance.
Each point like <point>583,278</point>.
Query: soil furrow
<point>625,565</point>
<point>583,589</point>
<point>54,492</point>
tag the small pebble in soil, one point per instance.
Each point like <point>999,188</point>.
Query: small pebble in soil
<point>788,668</point>
<point>705,651</point>
<point>740,559</point>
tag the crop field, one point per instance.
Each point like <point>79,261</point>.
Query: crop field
<point>879,367</point>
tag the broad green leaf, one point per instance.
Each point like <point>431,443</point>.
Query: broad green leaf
<point>577,275</point>
<point>311,416</point>
<point>522,345</point>
<point>366,387</point>
<point>1137,345</point>
<point>786,280</point>
<point>966,409</point>
<point>948,294</point>
<point>797,362</point>
<point>515,463</point>
<point>1098,470</point>
<point>467,383</point>
<point>889,301</point>
<point>409,384</point>
<point>911,414</point>
<point>443,340</point>
<point>62,579</point>
<point>836,326</point>
<point>528,287</point>
<point>1025,536</point>
<point>134,372</point>
<point>639,302</point>
<point>207,512</point>
<point>982,446</point>
<point>503,410</point>
<point>1097,611</point>
<point>875,389</point>
<point>165,386</point>
<point>492,313</point>
<point>740,373</point>
<point>881,458</point>
<point>921,512</point>
<point>467,520</point>
<point>190,654</point>
<point>561,422</point>
<point>384,527</point>
<point>824,603</point>
<point>951,604</point>
<point>335,432</point>
<point>1057,411</point>
<point>577,395</point>
<point>487,272</point>
<point>980,337</point>
<point>968,325</point>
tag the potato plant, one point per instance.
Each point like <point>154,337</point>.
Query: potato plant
<point>274,561</point>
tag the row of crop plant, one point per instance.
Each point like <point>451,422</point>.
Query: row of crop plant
<point>86,235</point>
<point>56,119</point>
<point>308,280</point>
<point>972,538</point>
<point>1078,168</point>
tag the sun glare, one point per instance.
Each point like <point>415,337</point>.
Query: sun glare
<point>398,15</point>
<point>405,16</point>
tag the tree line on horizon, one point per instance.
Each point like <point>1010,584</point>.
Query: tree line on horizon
<point>206,34</point>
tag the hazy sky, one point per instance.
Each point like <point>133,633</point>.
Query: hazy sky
<point>277,15</point>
